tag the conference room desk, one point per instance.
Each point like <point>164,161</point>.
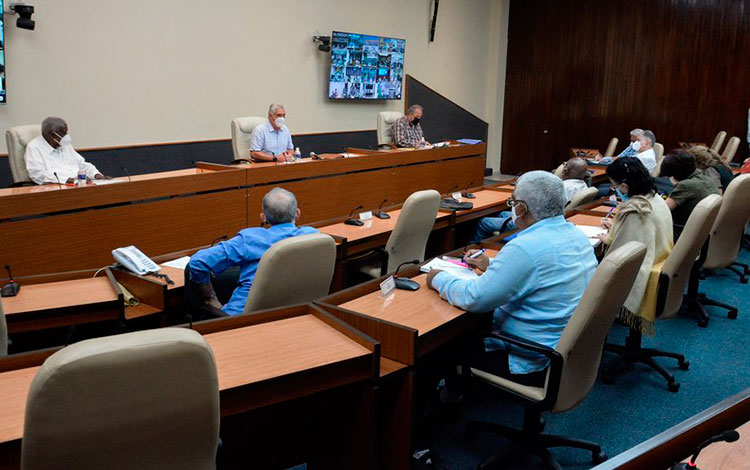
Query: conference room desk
<point>64,303</point>
<point>296,385</point>
<point>55,228</point>
<point>678,442</point>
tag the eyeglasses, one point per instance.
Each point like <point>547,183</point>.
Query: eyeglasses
<point>513,202</point>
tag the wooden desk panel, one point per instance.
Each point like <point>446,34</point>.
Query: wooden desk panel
<point>261,352</point>
<point>55,295</point>
<point>602,209</point>
<point>84,240</point>
<point>371,227</point>
<point>422,310</point>
<point>330,197</point>
<point>15,387</point>
<point>583,219</point>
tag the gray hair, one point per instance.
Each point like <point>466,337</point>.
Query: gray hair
<point>53,124</point>
<point>650,136</point>
<point>279,206</point>
<point>413,108</point>
<point>274,107</point>
<point>636,132</point>
<point>543,194</point>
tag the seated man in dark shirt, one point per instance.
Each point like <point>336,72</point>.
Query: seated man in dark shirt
<point>691,185</point>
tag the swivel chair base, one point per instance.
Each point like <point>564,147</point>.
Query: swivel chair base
<point>633,353</point>
<point>528,442</point>
<point>732,311</point>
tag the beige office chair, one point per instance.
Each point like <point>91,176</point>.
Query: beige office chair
<point>3,332</point>
<point>582,197</point>
<point>17,139</point>
<point>727,236</point>
<point>718,141</point>
<point>611,147</point>
<point>385,120</point>
<point>574,363</point>
<point>148,399</point>
<point>659,151</point>
<point>409,237</point>
<point>294,270</point>
<point>242,134</point>
<point>730,150</point>
<point>680,268</point>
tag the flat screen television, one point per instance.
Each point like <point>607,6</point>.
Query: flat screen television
<point>2,55</point>
<point>365,67</point>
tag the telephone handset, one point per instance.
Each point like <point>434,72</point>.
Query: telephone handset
<point>134,260</point>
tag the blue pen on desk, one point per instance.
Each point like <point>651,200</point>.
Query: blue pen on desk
<point>610,211</point>
<point>476,255</point>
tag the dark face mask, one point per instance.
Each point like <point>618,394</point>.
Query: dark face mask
<point>415,121</point>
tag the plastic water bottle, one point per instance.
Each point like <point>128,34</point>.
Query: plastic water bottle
<point>81,181</point>
<point>297,154</point>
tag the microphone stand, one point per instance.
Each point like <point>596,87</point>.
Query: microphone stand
<point>402,282</point>
<point>352,221</point>
<point>127,173</point>
<point>59,184</point>
<point>380,214</point>
<point>11,288</point>
<point>728,436</point>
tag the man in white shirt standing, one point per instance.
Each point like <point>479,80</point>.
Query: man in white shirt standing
<point>646,153</point>
<point>50,157</point>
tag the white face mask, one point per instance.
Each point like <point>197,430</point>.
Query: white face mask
<point>64,140</point>
<point>513,215</point>
<point>279,121</point>
<point>636,145</point>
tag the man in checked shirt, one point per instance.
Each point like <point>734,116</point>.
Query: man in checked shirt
<point>406,131</point>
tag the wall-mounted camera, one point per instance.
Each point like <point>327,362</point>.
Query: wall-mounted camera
<point>324,42</point>
<point>24,13</point>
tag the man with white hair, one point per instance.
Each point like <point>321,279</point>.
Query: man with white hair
<point>280,212</point>
<point>51,158</point>
<point>632,149</point>
<point>646,153</point>
<point>406,130</point>
<point>533,285</point>
<point>272,141</point>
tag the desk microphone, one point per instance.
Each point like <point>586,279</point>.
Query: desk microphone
<point>352,221</point>
<point>346,153</point>
<point>380,214</point>
<point>402,282</point>
<point>217,240</point>
<point>125,170</point>
<point>11,288</point>
<point>466,192</point>
<point>314,156</point>
<point>59,184</point>
<point>728,436</point>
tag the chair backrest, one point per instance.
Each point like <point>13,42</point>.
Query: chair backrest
<point>659,151</point>
<point>409,237</point>
<point>148,399</point>
<point>718,141</point>
<point>679,263</point>
<point>731,149</point>
<point>582,197</point>
<point>17,139</point>
<point>3,332</point>
<point>242,134</point>
<point>385,120</point>
<point>558,171</point>
<point>583,338</point>
<point>611,147</point>
<point>729,227</point>
<point>296,269</point>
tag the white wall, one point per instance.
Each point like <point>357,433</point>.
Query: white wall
<point>137,71</point>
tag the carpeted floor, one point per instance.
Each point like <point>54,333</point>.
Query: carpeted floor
<point>635,408</point>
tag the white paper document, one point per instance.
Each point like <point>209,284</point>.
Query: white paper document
<point>106,182</point>
<point>592,233</point>
<point>178,263</point>
<point>451,268</point>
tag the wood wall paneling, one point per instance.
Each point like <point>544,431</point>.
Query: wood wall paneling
<point>595,69</point>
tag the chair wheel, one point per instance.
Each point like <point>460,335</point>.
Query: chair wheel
<point>599,457</point>
<point>684,365</point>
<point>702,323</point>
<point>673,387</point>
<point>732,314</point>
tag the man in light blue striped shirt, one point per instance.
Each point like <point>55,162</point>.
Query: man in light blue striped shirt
<point>533,285</point>
<point>272,141</point>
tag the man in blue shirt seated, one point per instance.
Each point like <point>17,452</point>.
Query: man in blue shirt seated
<point>272,141</point>
<point>532,286</point>
<point>245,250</point>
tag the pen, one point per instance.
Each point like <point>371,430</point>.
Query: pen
<point>476,255</point>
<point>610,211</point>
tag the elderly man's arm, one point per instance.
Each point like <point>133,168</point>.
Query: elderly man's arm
<point>504,281</point>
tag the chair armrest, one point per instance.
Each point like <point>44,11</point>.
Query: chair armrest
<point>555,367</point>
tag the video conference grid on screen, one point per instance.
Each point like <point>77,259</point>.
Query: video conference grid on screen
<point>365,67</point>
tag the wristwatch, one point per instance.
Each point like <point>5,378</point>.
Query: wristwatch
<point>275,158</point>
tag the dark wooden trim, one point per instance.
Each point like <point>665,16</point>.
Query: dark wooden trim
<point>26,359</point>
<point>678,442</point>
<point>406,101</point>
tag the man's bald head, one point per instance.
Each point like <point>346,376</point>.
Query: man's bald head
<point>575,168</point>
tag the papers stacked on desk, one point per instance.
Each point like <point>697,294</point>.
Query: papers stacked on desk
<point>451,268</point>
<point>179,263</point>
<point>592,233</point>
